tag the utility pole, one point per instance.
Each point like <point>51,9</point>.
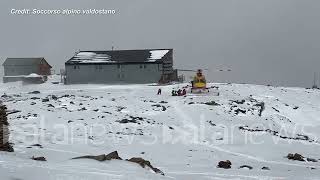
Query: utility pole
<point>319,80</point>
<point>314,86</point>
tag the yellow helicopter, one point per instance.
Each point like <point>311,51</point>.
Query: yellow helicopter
<point>199,83</point>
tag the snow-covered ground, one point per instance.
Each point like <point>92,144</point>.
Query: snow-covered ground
<point>185,137</point>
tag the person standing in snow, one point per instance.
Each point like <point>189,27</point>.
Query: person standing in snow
<point>179,92</point>
<point>184,92</point>
<point>173,93</point>
<point>159,91</point>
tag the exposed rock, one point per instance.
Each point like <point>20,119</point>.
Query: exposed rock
<point>211,123</point>
<point>4,130</point>
<point>131,119</point>
<point>35,98</point>
<point>45,100</point>
<point>6,147</point>
<point>124,121</point>
<point>212,103</point>
<point>163,102</point>
<point>239,101</point>
<point>144,163</point>
<point>113,155</point>
<point>299,137</point>
<point>39,158</point>
<point>37,145</point>
<point>50,105</point>
<point>5,96</point>
<point>82,109</point>
<point>34,92</point>
<point>136,118</point>
<point>245,166</point>
<point>224,164</point>
<point>295,157</point>
<point>54,97</point>
<point>238,110</point>
<point>156,105</point>
<point>120,108</point>
<point>265,168</point>
<point>102,157</point>
<point>262,107</point>
<point>311,160</point>
<point>13,112</point>
<point>275,109</point>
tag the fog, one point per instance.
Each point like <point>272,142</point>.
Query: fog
<point>262,41</point>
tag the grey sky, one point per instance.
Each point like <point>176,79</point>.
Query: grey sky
<point>262,41</point>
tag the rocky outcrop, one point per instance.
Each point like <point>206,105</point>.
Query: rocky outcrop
<point>102,157</point>
<point>224,164</point>
<point>295,157</point>
<point>144,163</point>
<point>246,167</point>
<point>39,158</point>
<point>299,157</point>
<point>4,130</point>
<point>114,155</point>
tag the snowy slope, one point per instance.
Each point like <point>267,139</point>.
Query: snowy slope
<point>185,137</point>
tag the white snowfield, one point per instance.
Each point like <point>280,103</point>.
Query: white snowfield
<point>185,137</point>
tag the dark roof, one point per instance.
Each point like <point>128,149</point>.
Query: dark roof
<point>23,61</point>
<point>119,56</point>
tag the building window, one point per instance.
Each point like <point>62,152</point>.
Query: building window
<point>76,67</point>
<point>119,66</point>
<point>141,66</point>
<point>145,66</point>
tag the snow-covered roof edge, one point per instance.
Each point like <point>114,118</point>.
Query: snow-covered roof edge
<point>112,56</point>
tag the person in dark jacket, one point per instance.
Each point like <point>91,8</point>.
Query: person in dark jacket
<point>179,92</point>
<point>159,91</point>
<point>174,93</point>
<point>184,92</point>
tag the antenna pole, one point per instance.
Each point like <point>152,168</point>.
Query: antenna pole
<point>319,79</point>
<point>314,86</point>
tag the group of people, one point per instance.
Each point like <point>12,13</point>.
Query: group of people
<point>174,92</point>
<point>179,92</point>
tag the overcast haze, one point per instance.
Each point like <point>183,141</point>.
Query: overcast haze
<point>263,41</point>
